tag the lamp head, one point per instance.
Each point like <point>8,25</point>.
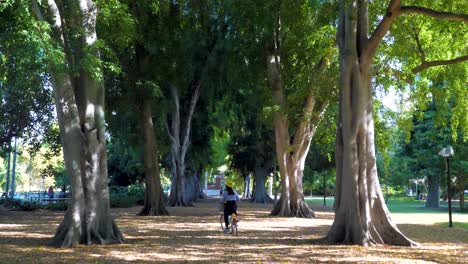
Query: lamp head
<point>447,152</point>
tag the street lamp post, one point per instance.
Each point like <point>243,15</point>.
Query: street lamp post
<point>447,153</point>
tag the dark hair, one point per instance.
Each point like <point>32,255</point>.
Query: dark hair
<point>229,190</point>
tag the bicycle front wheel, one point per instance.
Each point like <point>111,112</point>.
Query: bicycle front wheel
<point>221,221</point>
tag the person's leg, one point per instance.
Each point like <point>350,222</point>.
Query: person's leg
<point>226,216</point>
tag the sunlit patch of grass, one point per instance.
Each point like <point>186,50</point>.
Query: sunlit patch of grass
<point>462,225</point>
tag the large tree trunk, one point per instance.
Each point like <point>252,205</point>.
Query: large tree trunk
<point>194,188</point>
<point>154,201</point>
<point>178,196</point>
<point>180,141</point>
<point>88,219</point>
<point>179,133</point>
<point>80,111</point>
<point>361,215</point>
<point>433,192</point>
<point>291,157</point>
<point>247,192</point>
<point>13,170</point>
<point>7,187</point>
<point>259,194</point>
<point>198,189</point>
<point>291,202</point>
<point>461,188</point>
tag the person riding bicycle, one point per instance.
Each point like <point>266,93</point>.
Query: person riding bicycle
<point>229,199</point>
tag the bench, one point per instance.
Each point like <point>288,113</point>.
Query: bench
<point>53,200</point>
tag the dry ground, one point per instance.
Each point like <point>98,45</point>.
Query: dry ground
<point>194,235</point>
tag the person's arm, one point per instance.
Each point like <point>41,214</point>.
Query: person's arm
<point>223,198</point>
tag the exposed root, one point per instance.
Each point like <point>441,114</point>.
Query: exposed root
<point>179,202</point>
<point>283,209</point>
<point>70,234</point>
<point>153,211</point>
<point>265,199</point>
<point>303,210</point>
<point>348,229</point>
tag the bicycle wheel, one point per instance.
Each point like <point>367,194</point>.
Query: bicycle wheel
<point>221,221</point>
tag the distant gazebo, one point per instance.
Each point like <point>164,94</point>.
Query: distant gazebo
<point>417,182</point>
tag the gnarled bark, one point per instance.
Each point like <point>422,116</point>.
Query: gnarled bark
<point>247,192</point>
<point>291,166</point>
<point>88,219</point>
<point>13,169</point>
<point>194,187</point>
<point>291,157</point>
<point>179,146</point>
<point>154,201</point>
<point>7,187</point>
<point>80,110</point>
<point>259,193</point>
<point>361,215</point>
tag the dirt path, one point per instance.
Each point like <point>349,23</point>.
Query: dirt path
<point>194,235</point>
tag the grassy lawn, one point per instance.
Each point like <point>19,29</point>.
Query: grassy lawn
<point>407,210</point>
<point>399,205</point>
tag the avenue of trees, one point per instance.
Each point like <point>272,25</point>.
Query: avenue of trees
<point>163,93</point>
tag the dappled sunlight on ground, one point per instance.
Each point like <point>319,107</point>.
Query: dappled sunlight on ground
<point>194,234</point>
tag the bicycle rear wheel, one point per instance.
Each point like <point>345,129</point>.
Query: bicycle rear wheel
<point>221,221</point>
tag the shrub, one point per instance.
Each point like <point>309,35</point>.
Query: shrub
<point>123,197</point>
<point>59,206</point>
<point>138,192</point>
<point>20,204</point>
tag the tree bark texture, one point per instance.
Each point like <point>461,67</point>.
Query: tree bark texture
<point>179,131</point>
<point>154,201</point>
<point>433,192</point>
<point>13,169</point>
<point>194,187</point>
<point>247,192</point>
<point>180,141</point>
<point>259,194</point>
<point>198,182</point>
<point>361,215</point>
<point>7,187</point>
<point>291,157</point>
<point>79,103</point>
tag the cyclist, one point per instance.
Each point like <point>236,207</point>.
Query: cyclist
<point>229,199</point>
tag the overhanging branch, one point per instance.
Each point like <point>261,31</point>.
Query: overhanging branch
<point>394,10</point>
<point>433,13</point>
<point>429,64</point>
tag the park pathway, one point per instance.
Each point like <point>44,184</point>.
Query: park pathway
<point>193,234</point>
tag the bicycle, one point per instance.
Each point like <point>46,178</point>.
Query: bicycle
<point>232,228</point>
